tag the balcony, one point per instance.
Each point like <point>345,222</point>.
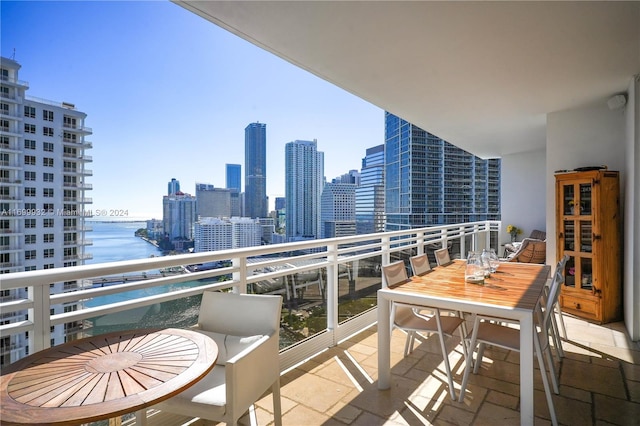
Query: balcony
<point>339,385</point>
<point>12,81</point>
<point>330,364</point>
<point>77,128</point>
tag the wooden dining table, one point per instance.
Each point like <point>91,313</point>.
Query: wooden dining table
<point>103,376</point>
<point>511,292</point>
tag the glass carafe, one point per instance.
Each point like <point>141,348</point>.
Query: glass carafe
<point>490,258</point>
<point>474,270</point>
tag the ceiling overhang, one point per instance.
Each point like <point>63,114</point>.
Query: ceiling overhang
<point>481,75</point>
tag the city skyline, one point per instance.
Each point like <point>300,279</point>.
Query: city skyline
<point>171,100</point>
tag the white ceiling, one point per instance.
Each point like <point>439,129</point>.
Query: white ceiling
<point>481,75</point>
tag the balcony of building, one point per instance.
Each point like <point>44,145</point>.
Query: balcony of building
<point>11,81</point>
<point>329,361</point>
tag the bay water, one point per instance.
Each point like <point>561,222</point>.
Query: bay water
<point>116,241</point>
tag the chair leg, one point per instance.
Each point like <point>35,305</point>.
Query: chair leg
<point>468,363</point>
<point>552,371</point>
<point>408,344</point>
<point>556,337</point>
<point>478,362</point>
<point>277,406</point>
<point>545,381</point>
<point>564,329</point>
<point>445,356</point>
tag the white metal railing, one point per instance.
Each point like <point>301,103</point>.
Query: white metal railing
<point>346,268</point>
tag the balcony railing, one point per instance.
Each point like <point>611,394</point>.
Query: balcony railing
<point>328,286</point>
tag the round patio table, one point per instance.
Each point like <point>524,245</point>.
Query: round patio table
<point>103,376</point>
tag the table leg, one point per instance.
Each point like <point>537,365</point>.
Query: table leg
<point>141,418</point>
<point>526,370</point>
<point>384,343</point>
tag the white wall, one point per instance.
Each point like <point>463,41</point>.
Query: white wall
<point>631,273</point>
<point>589,136</point>
<point>523,190</point>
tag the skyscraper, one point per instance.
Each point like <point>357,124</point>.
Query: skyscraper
<point>43,203</point>
<point>233,176</point>
<point>255,170</point>
<point>428,181</point>
<point>173,186</point>
<point>234,184</point>
<point>178,217</point>
<point>370,215</point>
<point>304,178</point>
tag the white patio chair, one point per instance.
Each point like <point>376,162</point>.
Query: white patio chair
<point>486,332</point>
<point>246,329</point>
<point>557,338</point>
<point>408,318</point>
<point>420,264</point>
<point>442,256</point>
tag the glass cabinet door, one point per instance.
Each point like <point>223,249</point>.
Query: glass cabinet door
<point>577,234</point>
<point>585,199</point>
<point>586,236</point>
<point>569,235</point>
<point>568,199</point>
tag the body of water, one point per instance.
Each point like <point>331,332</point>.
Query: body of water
<point>115,241</point>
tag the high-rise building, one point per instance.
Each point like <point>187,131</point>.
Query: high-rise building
<point>43,202</point>
<point>173,186</point>
<point>353,176</point>
<point>370,215</point>
<point>255,170</point>
<point>234,184</point>
<point>280,213</point>
<point>234,176</point>
<point>212,202</point>
<point>213,233</point>
<point>178,217</point>
<point>428,181</point>
<point>304,178</point>
<point>338,210</point>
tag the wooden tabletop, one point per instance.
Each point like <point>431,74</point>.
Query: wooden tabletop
<point>513,286</point>
<point>103,376</point>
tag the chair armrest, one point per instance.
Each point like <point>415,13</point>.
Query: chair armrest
<point>251,372</point>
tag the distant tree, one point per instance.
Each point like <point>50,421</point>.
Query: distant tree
<point>142,232</point>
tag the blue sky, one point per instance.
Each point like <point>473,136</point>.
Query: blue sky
<point>168,95</point>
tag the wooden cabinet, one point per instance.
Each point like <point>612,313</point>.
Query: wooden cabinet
<point>588,230</point>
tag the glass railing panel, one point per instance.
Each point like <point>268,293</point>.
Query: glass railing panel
<point>358,284</point>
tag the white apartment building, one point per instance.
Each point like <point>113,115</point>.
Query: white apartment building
<point>338,210</point>
<point>43,205</point>
<point>304,179</point>
<point>212,233</point>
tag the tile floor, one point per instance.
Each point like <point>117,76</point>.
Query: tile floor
<point>599,385</point>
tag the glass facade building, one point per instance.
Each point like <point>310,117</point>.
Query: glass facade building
<point>233,176</point>
<point>428,181</point>
<point>370,215</point>
<point>255,170</point>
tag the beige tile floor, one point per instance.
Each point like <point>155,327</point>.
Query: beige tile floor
<point>599,385</point>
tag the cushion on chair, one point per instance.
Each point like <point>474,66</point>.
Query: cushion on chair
<point>228,345</point>
<point>207,397</point>
<point>531,251</point>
